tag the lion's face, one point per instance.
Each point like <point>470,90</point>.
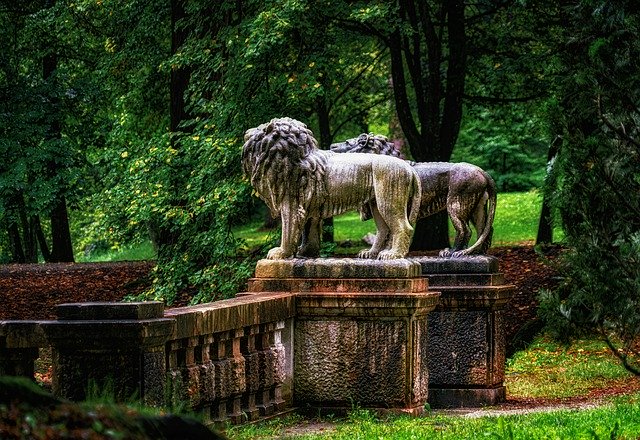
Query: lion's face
<point>367,143</point>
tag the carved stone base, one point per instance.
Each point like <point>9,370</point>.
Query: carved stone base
<point>466,331</point>
<point>361,331</point>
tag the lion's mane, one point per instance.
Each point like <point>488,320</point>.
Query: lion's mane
<point>282,159</point>
<point>367,143</point>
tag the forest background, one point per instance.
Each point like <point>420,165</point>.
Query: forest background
<point>122,122</point>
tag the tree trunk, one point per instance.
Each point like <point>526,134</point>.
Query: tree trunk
<point>42,241</point>
<point>545,226</point>
<point>431,233</point>
<point>180,76</point>
<point>545,223</point>
<point>325,143</point>
<point>15,241</point>
<point>433,61</point>
<point>61,248</point>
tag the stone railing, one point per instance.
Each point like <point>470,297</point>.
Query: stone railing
<point>229,360</point>
<point>314,334</point>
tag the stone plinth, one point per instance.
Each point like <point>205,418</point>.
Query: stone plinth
<point>337,275</point>
<point>466,331</point>
<point>113,345</point>
<point>361,331</point>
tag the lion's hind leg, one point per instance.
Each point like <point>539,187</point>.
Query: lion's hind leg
<point>398,243</point>
<point>459,211</point>
<point>382,235</point>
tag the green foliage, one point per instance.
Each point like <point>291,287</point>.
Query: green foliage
<point>506,142</point>
<point>599,180</point>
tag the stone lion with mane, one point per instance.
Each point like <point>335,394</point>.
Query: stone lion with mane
<point>304,185</point>
<point>466,191</point>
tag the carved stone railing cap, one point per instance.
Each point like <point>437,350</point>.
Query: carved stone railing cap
<point>106,311</point>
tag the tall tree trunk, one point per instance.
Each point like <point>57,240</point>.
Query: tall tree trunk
<point>15,241</point>
<point>161,234</point>
<point>418,61</point>
<point>42,241</point>
<point>61,247</point>
<point>180,76</point>
<point>325,143</point>
<point>545,223</point>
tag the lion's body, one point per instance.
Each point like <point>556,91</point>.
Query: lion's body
<point>465,191</point>
<point>305,184</point>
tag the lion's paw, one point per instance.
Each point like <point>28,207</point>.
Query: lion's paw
<point>445,253</point>
<point>389,255</point>
<point>366,253</point>
<point>458,254</point>
<point>277,253</point>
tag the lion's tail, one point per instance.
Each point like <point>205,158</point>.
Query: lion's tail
<point>484,240</point>
<point>416,199</point>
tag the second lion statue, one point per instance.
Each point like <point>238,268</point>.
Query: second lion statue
<point>304,185</point>
<point>467,192</point>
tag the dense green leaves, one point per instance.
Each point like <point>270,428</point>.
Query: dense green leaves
<point>599,170</point>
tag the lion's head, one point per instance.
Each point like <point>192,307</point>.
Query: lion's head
<point>367,143</point>
<point>281,160</point>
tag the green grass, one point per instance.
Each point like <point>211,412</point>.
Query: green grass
<point>141,251</point>
<point>545,369</point>
<point>516,222</point>
<point>548,369</point>
<point>618,420</point>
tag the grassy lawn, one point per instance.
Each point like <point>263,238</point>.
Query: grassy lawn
<point>516,222</point>
<point>546,369</point>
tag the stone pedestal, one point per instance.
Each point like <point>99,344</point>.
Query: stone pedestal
<point>118,346</point>
<point>361,331</point>
<point>466,331</point>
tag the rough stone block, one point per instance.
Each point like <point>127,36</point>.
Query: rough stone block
<point>365,349</point>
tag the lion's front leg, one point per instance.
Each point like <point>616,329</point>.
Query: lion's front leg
<point>310,246</point>
<point>292,224</point>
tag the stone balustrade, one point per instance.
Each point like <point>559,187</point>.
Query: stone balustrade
<point>314,334</point>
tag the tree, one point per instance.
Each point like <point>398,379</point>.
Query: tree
<point>598,171</point>
<point>39,163</point>
<point>445,54</point>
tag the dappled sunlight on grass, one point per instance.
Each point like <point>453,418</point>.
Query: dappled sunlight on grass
<point>548,369</point>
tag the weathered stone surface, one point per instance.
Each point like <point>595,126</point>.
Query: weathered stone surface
<point>369,305</point>
<point>460,348</point>
<point>231,314</point>
<point>345,362</point>
<point>367,349</point>
<point>466,344</point>
<point>474,297</point>
<point>304,184</point>
<point>466,397</point>
<point>337,268</point>
<point>467,279</point>
<point>104,311</point>
<point>347,285</point>
<point>462,265</point>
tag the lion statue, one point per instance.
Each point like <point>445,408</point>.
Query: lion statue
<point>464,190</point>
<point>304,185</point>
